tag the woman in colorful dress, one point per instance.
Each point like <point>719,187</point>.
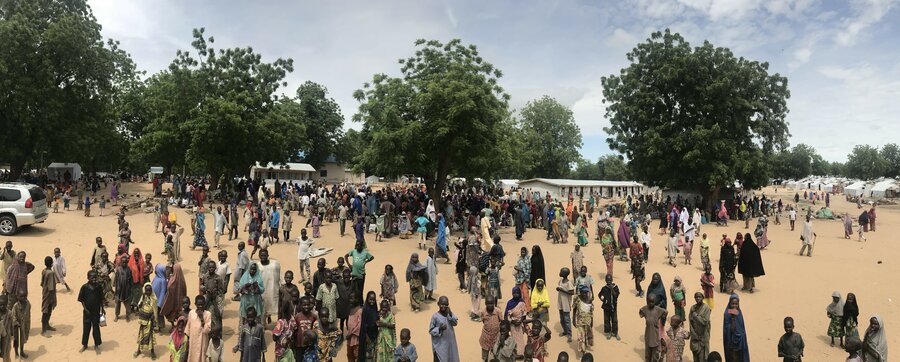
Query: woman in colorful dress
<point>415,272</point>
<point>199,230</point>
<point>387,334</point>
<point>147,322</point>
<point>283,334</point>
<point>515,314</point>
<point>835,312</point>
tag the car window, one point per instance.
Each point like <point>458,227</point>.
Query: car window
<point>37,194</point>
<point>10,195</point>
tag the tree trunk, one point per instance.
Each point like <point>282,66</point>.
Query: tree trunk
<point>440,181</point>
<point>711,197</point>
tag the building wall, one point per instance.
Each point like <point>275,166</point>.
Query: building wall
<point>337,172</point>
<point>563,192</point>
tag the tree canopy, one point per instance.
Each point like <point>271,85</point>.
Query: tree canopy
<point>698,118</point>
<point>551,138</point>
<point>322,119</point>
<point>217,112</point>
<point>58,78</point>
<point>440,117</point>
<point>866,162</point>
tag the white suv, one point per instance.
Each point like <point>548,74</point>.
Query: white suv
<point>21,204</point>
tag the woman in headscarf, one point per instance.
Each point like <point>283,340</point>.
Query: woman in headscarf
<point>835,312</point>
<point>656,288</point>
<point>679,299</point>
<point>540,301</point>
<point>138,267</point>
<point>251,288</point>
<point>368,331</point>
<point>727,263</point>
<point>199,230</point>
<point>147,321</point>
<point>738,244</point>
<point>430,211</point>
<point>537,266</point>
<point>159,290</point>
<point>515,314</point>
<point>734,334</point>
<point>875,347</point>
<point>441,250</point>
<point>750,264</point>
<point>849,319</point>
<point>848,226</point>
<point>624,238</point>
<point>178,341</point>
<point>416,276</point>
<point>176,290</point>
<point>581,229</point>
<point>104,268</point>
<point>359,229</point>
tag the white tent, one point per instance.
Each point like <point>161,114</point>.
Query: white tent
<point>887,188</point>
<point>855,189</point>
<point>828,187</point>
<point>57,171</point>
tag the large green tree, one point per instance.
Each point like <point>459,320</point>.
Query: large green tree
<point>440,117</point>
<point>891,154</point>
<point>866,162</point>
<point>216,111</point>
<point>695,117</point>
<point>551,138</point>
<point>800,161</point>
<point>322,119</point>
<point>58,79</point>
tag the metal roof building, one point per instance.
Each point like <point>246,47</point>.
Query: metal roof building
<point>565,188</point>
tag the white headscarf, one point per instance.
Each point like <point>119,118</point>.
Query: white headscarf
<point>836,308</point>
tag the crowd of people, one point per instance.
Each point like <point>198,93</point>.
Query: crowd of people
<point>330,306</point>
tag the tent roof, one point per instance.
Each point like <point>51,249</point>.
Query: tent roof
<point>287,166</point>
<point>62,165</point>
<point>885,185</point>
<point>588,183</point>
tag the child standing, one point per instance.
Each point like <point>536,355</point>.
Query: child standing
<point>215,349</point>
<point>677,335</point>
<point>327,336</point>
<point>473,287</point>
<point>585,279</point>
<point>387,333</point>
<point>609,297</point>
<point>707,282</point>
<point>303,254</point>
<point>704,250</point>
<point>835,312</point>
<point>853,348</point>
<point>406,351</point>
<point>790,346</point>
<point>566,290</point>
<point>48,294</point>
<point>676,291</point>
<point>21,323</point>
<point>354,321</point>
<point>584,318</point>
<point>59,267</point>
<point>538,336</point>
<point>389,284</point>
<point>493,279</point>
<point>490,330</point>
<point>577,258</point>
<point>637,266</point>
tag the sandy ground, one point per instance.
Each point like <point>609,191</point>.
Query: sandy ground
<point>793,286</point>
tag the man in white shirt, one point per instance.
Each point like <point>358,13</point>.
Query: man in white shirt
<point>303,254</point>
<point>793,216</point>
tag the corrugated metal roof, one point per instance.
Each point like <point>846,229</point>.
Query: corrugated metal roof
<point>288,166</point>
<point>588,183</point>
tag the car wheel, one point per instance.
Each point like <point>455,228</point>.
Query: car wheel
<point>7,225</point>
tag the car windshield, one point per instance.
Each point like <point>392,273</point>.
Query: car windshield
<point>36,194</point>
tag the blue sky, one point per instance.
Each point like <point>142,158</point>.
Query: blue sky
<point>842,58</point>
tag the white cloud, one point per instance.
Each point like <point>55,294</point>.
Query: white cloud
<point>801,56</point>
<point>450,16</point>
<point>870,12</point>
<point>621,38</point>
<point>589,113</point>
